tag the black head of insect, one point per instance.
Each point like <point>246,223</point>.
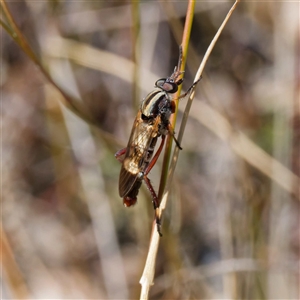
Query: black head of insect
<point>158,102</point>
<point>170,84</point>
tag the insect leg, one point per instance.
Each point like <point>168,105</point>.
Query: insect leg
<point>150,166</point>
<point>155,157</point>
<point>155,202</point>
<point>190,89</point>
<point>120,153</point>
<point>171,131</point>
<point>152,192</point>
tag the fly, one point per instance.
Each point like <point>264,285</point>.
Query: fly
<point>151,122</point>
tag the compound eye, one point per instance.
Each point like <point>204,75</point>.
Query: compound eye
<point>164,84</point>
<point>160,82</point>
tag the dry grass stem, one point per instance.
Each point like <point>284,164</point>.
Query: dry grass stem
<point>149,270</point>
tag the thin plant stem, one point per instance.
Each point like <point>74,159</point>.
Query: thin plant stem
<point>169,140</point>
<point>190,101</point>
<point>135,5</point>
<point>148,274</point>
<point>149,271</point>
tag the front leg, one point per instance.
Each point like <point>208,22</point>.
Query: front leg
<point>190,89</point>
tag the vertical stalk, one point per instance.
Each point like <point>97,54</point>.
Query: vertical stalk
<point>169,139</point>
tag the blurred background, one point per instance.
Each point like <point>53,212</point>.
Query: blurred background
<point>231,227</point>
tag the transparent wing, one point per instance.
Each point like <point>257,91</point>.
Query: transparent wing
<point>140,139</point>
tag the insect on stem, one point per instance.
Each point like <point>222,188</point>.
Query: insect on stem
<point>151,122</point>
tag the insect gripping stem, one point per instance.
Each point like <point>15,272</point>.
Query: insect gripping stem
<point>152,122</point>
